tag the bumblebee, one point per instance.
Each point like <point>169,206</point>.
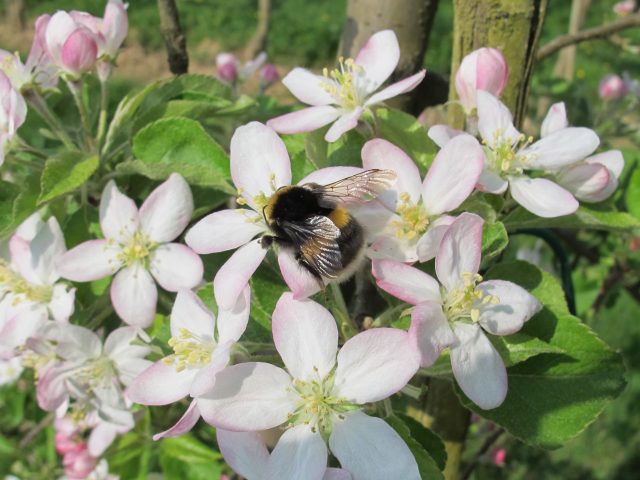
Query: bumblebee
<point>313,222</point>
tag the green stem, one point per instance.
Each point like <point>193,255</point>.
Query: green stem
<point>27,163</point>
<point>339,309</point>
<point>102,121</point>
<point>75,87</point>
<point>40,105</point>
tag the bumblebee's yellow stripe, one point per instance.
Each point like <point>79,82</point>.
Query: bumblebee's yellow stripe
<point>340,217</point>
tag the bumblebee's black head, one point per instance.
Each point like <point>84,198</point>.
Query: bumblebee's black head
<point>294,203</point>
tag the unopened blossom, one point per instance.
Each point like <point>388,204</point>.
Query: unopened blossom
<point>37,71</point>
<point>498,457</point>
<point>456,311</point>
<point>201,348</point>
<point>268,75</point>
<point>591,180</point>
<point>90,373</point>
<point>78,464</point>
<point>612,87</point>
<point>13,111</point>
<point>100,472</point>
<point>319,398</point>
<point>483,69</point>
<point>247,454</point>
<point>138,248</point>
<point>231,70</point>
<point>72,47</point>
<point>259,167</point>
<point>341,96</point>
<point>510,156</point>
<point>625,7</point>
<point>413,214</point>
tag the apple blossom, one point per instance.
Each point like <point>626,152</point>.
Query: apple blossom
<point>483,69</point>
<point>72,47</point>
<point>413,216</point>
<point>268,75</point>
<point>13,111</point>
<point>138,246</point>
<point>230,70</point>
<point>612,87</point>
<point>591,180</point>
<point>247,454</point>
<point>454,312</point>
<point>342,95</point>
<point>625,7</point>
<point>319,399</point>
<point>199,354</point>
<point>10,370</point>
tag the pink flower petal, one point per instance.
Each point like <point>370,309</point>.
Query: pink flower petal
<point>249,397</point>
<point>325,176</point>
<point>346,122</point>
<point>190,313</point>
<point>79,51</point>
<point>102,436</point>
<point>224,230</point>
<point>477,367</point>
<point>555,120</point>
<point>301,283</point>
<point>585,181</point>
<point>430,332</point>
<point>379,58</point>
<point>515,307</point>
<point>612,159</point>
<point>259,161</point>
<point>306,337</point>
<point>167,210</point>
<point>307,87</point>
<point>232,323</point>
<point>403,86</point>
<point>234,275</point>
<point>495,122</point>
<point>89,261</point>
<point>337,474</point>
<point>381,154</point>
<point>460,251</point>
<point>453,175</point>
<point>184,425</point>
<point>160,384</point>
<point>429,243</point>
<point>300,453</point>
<point>561,148</point>
<point>405,282</point>
<point>305,120</point>
<point>58,28</point>
<point>542,197</point>
<point>245,452</point>
<point>375,364</point>
<point>118,214</point>
<point>371,450</point>
<point>176,266</point>
<point>441,134</point>
<point>134,295</point>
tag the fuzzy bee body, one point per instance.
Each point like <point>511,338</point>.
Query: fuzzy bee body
<point>312,221</point>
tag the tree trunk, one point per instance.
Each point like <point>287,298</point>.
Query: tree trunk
<point>14,12</point>
<point>512,26</point>
<point>411,20</point>
<point>174,38</point>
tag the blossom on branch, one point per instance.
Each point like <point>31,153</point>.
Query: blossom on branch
<point>483,69</point>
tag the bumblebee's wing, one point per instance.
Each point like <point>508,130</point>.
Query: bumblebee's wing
<point>316,239</point>
<point>361,187</point>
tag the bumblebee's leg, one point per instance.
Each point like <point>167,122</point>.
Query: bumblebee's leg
<point>267,240</point>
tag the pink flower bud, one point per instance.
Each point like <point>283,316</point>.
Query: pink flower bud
<point>115,26</point>
<point>269,75</point>
<point>43,72</point>
<point>612,87</point>
<point>79,464</point>
<point>227,64</point>
<point>624,8</point>
<point>483,69</point>
<point>71,45</point>
<point>498,456</point>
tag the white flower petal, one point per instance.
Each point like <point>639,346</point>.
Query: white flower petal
<point>184,425</point>
<point>224,230</point>
<point>167,210</point>
<point>118,214</point>
<point>375,364</point>
<point>337,474</point>
<point>307,87</point>
<point>398,88</point>
<point>560,148</point>
<point>430,332</point>
<point>379,58</point>
<point>206,377</point>
<point>160,384</point>
<point>373,217</point>
<point>555,120</point>
<point>542,197</point>
<point>405,282</point>
<point>441,134</point>
<point>389,247</point>
<point>134,296</point>
<point>325,176</point>
<point>245,452</point>
<point>347,121</point>
<point>232,323</point>
<point>585,181</point>
<point>306,337</point>
<point>495,122</point>
<point>428,245</point>
<point>477,367</point>
<point>234,275</point>
<point>301,283</point>
<point>612,159</point>
<point>190,313</point>
<point>89,261</point>
<point>176,266</point>
<point>62,302</point>
<point>305,120</point>
<point>300,453</point>
<point>371,450</point>
<point>515,307</point>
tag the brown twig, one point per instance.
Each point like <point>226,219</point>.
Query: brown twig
<point>490,440</point>
<point>174,37</point>
<point>257,42</point>
<point>603,31</point>
<point>33,433</point>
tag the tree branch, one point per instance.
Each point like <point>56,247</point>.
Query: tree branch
<point>174,37</point>
<point>257,42</point>
<point>603,31</point>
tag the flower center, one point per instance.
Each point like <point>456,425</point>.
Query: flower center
<point>318,406</point>
<point>505,158</point>
<point>341,83</point>
<point>190,350</point>
<point>137,250</point>
<point>12,282</point>
<point>463,302</point>
<point>260,200</point>
<point>95,373</point>
<point>414,219</point>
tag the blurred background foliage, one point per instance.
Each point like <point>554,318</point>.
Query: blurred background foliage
<point>605,267</point>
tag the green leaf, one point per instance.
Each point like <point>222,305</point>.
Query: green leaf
<point>179,145</point>
<point>494,240</point>
<point>17,203</point>
<point>632,195</point>
<point>404,131</point>
<point>64,173</point>
<point>426,464</point>
<point>431,442</point>
<point>554,397</point>
<point>186,457</point>
<point>598,217</point>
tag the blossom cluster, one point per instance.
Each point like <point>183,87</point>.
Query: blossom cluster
<point>335,388</point>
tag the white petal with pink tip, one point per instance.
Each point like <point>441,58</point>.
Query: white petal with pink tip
<point>405,282</point>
